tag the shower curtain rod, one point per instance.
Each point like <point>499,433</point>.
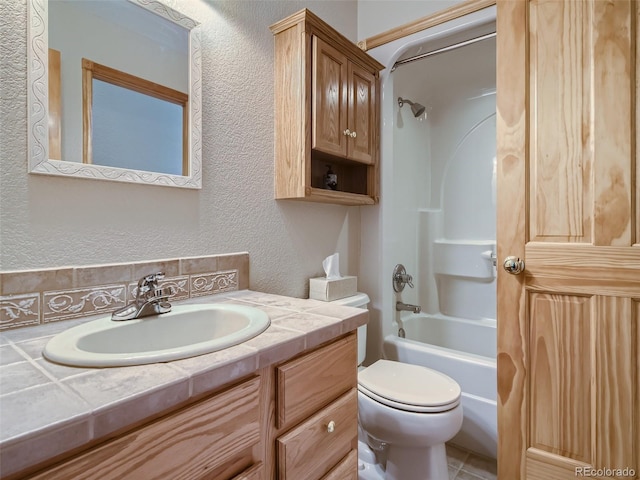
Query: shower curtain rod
<point>442,50</point>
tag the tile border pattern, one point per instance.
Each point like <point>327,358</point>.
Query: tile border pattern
<point>83,302</point>
<point>19,310</point>
<point>36,297</point>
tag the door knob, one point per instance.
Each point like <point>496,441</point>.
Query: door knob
<point>513,265</point>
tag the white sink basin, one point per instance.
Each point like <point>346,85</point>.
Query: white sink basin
<point>186,331</point>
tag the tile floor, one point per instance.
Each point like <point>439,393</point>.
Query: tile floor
<point>464,465</point>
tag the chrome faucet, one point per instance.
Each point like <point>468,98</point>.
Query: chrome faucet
<point>407,307</point>
<point>150,300</point>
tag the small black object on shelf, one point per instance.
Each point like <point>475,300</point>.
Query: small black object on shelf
<point>330,179</point>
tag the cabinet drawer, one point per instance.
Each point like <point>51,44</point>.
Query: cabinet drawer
<point>185,444</point>
<point>252,473</point>
<point>347,469</point>
<point>309,383</point>
<point>310,450</point>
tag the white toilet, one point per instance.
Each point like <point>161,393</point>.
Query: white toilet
<point>406,414</point>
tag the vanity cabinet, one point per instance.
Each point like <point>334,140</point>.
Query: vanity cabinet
<point>327,114</point>
<point>291,421</point>
<point>314,447</point>
<point>347,469</point>
<point>211,439</point>
<point>317,398</point>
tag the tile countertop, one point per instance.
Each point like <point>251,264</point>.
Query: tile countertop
<point>47,409</point>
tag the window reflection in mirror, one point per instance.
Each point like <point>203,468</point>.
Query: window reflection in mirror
<point>122,122</point>
<point>129,122</point>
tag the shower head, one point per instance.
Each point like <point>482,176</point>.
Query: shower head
<point>416,108</point>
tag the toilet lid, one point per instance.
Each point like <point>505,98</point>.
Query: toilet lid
<point>409,387</point>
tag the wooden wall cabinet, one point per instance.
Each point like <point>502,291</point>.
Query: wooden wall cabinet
<point>327,113</point>
<point>296,420</point>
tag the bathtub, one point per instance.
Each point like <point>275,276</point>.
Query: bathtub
<point>466,351</point>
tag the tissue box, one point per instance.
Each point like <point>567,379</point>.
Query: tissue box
<point>329,290</point>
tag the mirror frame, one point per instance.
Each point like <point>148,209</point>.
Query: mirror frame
<point>38,105</point>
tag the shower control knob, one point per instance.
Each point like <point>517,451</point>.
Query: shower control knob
<point>401,278</point>
<point>513,265</point>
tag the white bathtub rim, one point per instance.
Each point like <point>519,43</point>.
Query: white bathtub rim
<point>465,357</point>
<point>483,321</point>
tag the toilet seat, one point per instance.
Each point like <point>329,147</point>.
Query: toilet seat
<point>407,387</point>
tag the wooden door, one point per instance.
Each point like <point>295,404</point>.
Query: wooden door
<point>361,116</point>
<point>330,95</point>
<point>568,202</point>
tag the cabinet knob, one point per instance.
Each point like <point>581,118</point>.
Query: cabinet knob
<point>331,426</point>
<point>349,133</point>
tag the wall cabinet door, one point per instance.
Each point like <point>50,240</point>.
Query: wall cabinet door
<point>344,109</point>
<point>361,114</point>
<point>330,95</point>
<point>568,204</point>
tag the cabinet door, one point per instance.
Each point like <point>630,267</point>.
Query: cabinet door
<point>362,114</point>
<point>256,472</point>
<point>329,94</point>
<point>568,204</point>
<point>312,381</point>
<point>188,444</point>
<point>347,469</point>
<point>312,449</point>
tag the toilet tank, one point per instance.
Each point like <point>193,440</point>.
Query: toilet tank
<point>359,300</point>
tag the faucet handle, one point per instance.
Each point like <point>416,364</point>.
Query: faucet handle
<point>149,283</point>
<point>401,278</point>
<point>408,279</point>
<point>163,293</point>
<point>151,279</point>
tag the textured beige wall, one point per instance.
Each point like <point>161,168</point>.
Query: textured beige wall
<point>51,221</point>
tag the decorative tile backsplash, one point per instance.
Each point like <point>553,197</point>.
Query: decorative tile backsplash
<point>209,283</point>
<point>19,310</point>
<point>81,303</point>
<point>33,297</point>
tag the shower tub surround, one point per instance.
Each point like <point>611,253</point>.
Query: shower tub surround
<point>439,172</point>
<point>49,410</point>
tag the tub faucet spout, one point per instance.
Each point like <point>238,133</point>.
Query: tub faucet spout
<point>407,307</point>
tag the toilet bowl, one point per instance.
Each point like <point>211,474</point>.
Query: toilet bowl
<point>411,411</point>
<point>406,413</point>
